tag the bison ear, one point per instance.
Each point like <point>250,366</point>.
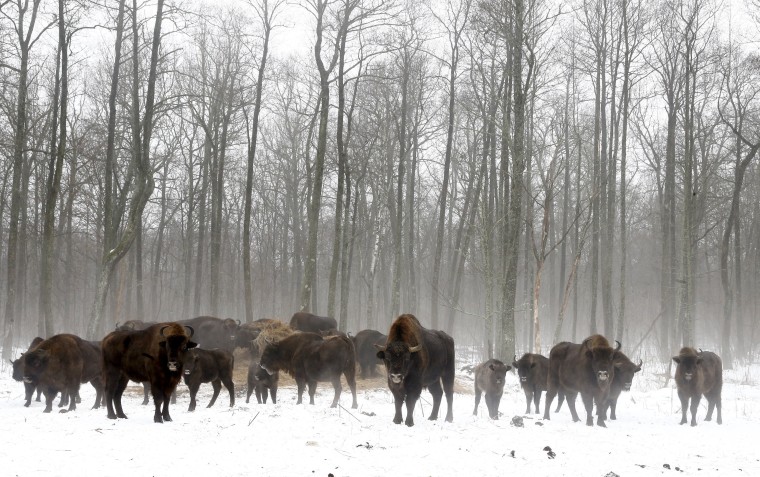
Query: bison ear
<point>617,364</point>
<point>490,366</point>
<point>514,364</point>
<point>509,367</point>
<point>191,344</point>
<point>699,360</point>
<point>677,359</point>
<point>381,354</point>
<point>589,354</point>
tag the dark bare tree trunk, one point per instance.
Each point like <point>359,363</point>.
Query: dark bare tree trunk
<point>143,186</point>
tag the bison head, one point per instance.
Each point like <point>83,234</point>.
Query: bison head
<point>397,357</point>
<point>687,360</point>
<point>175,344</point>
<point>191,363</point>
<point>497,373</point>
<point>525,368</point>
<point>231,326</point>
<point>602,358</point>
<point>35,363</point>
<point>625,371</point>
<point>18,368</point>
<point>270,359</point>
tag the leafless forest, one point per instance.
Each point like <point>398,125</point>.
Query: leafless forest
<point>516,172</point>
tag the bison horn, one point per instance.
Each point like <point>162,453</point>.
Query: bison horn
<point>161,331</point>
<point>191,330</point>
<point>380,347</point>
<point>617,348</point>
<point>414,349</point>
<point>117,325</point>
<point>238,322</point>
<point>641,361</point>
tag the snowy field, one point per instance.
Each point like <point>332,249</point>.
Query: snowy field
<point>302,440</point>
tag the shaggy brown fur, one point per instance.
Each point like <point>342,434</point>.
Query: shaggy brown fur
<point>699,374</point>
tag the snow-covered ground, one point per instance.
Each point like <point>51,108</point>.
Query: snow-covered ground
<point>303,440</point>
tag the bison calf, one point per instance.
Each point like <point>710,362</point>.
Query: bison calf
<point>532,369</point>
<point>260,381</point>
<point>209,366</point>
<point>489,379</point>
<point>698,374</point>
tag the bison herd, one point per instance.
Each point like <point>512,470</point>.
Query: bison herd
<point>310,349</point>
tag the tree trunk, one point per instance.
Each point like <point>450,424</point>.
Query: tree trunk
<point>143,186</point>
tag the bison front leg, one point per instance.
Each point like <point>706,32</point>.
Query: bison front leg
<point>73,392</point>
<point>193,393</point>
<point>528,398</point>
<point>29,392</point>
<point>550,395</point>
<point>398,401</point>
<point>49,397</point>
<point>273,392</point>
<point>684,406</point>
<point>588,403</point>
<point>694,406</point>
<point>478,393</point>
<point>411,401</point>
<point>536,401</point>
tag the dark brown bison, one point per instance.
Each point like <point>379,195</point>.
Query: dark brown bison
<point>587,368</point>
<point>532,369</point>
<point>212,332</point>
<point>699,373</point>
<point>155,354</point>
<point>60,364</point>
<point>625,370</point>
<point>310,358</point>
<point>366,353</point>
<point>416,357</point>
<point>131,325</point>
<point>305,321</point>
<point>18,374</point>
<point>489,379</point>
<point>209,366</point>
<point>261,382</point>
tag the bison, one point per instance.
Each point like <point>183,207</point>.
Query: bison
<point>587,368</point>
<point>209,366</point>
<point>416,357</point>
<point>18,374</point>
<point>310,358</point>
<point>259,380</point>
<point>625,370</point>
<point>489,379</point>
<point>305,321</point>
<point>366,354</point>
<point>155,354</point>
<point>532,370</point>
<point>699,373</point>
<point>60,364</point>
<point>212,332</point>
